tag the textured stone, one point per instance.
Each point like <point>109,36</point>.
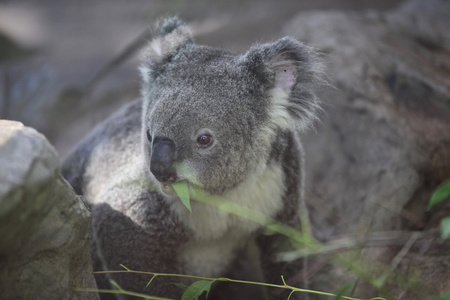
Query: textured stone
<point>44,225</point>
<point>384,144</point>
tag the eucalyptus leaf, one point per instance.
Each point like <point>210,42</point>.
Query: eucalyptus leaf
<point>445,228</point>
<point>196,289</point>
<point>442,193</point>
<point>182,190</point>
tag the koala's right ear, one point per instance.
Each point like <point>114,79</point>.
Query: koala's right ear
<point>170,35</point>
<point>291,71</point>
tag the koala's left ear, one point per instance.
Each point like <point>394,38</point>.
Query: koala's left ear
<point>170,35</point>
<point>291,71</point>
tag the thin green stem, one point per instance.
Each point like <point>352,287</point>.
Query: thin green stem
<point>150,281</point>
<point>284,286</point>
<point>290,294</point>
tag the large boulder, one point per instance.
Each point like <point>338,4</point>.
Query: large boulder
<point>384,145</point>
<point>44,225</point>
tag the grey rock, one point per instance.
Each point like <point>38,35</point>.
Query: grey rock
<point>384,144</point>
<point>44,225</point>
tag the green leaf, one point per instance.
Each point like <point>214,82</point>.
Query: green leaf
<point>196,289</point>
<point>445,228</point>
<point>182,190</point>
<point>343,290</point>
<point>441,194</point>
<point>444,297</point>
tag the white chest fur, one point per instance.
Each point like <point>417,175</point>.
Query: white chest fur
<point>217,233</point>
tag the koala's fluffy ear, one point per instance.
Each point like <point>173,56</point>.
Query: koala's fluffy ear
<point>291,71</point>
<point>170,35</point>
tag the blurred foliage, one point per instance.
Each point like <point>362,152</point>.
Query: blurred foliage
<point>441,194</point>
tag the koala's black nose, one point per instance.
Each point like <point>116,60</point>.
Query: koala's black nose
<point>162,160</point>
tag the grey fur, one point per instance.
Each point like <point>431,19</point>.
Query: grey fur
<point>252,106</point>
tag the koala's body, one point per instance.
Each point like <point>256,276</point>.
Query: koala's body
<point>226,124</point>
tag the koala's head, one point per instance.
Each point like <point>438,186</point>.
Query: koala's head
<point>211,117</point>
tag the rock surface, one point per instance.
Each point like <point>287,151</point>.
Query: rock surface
<point>44,225</point>
<point>382,149</point>
<point>384,144</point>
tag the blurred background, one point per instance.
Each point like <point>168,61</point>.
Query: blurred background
<point>67,65</point>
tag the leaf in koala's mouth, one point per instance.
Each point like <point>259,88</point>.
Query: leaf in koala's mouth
<point>182,190</point>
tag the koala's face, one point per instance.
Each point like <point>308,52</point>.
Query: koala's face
<point>204,122</point>
<point>210,117</point>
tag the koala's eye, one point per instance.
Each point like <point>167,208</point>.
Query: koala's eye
<point>204,140</point>
<point>149,137</point>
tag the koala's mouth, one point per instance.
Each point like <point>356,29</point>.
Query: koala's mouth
<point>168,189</point>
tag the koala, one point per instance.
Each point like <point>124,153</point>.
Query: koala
<point>229,126</point>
